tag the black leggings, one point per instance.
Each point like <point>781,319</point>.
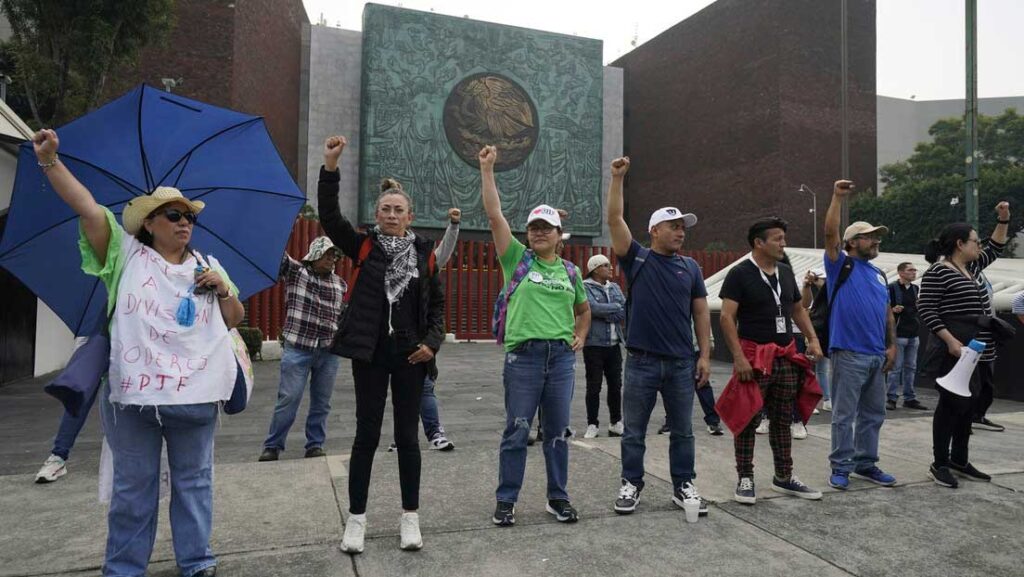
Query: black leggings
<point>603,363</point>
<point>951,427</point>
<point>371,383</point>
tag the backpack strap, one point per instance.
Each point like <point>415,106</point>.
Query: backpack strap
<point>364,253</point>
<point>519,274</point>
<point>844,274</point>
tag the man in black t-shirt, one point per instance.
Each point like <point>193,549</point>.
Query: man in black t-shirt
<point>903,300</point>
<point>761,295</point>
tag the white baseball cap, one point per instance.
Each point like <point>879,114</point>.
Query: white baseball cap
<point>545,213</point>
<point>596,261</point>
<point>671,213</point>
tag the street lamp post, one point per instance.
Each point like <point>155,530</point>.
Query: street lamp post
<point>814,209</point>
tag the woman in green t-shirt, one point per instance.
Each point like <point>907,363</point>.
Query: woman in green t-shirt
<point>546,321</point>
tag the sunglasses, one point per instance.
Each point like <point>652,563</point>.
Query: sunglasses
<point>174,215</point>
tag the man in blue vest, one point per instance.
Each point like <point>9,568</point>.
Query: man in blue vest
<point>862,344</point>
<point>903,300</point>
<point>667,293</point>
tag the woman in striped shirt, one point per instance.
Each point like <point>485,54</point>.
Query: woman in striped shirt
<point>952,298</point>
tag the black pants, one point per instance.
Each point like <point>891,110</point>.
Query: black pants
<point>951,427</point>
<point>371,383</point>
<point>983,400</point>
<point>606,363</point>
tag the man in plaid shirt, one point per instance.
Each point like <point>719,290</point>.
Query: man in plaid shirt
<point>313,302</point>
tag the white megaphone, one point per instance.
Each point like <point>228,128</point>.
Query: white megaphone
<point>958,380</point>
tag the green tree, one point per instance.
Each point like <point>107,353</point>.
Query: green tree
<point>917,203</point>
<point>62,52</point>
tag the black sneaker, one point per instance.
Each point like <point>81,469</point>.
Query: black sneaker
<point>688,491</point>
<point>314,452</point>
<point>914,404</point>
<point>795,488</point>
<point>715,430</point>
<point>745,492</point>
<point>891,405</point>
<point>563,511</point>
<point>504,514</point>
<point>664,429</point>
<point>629,498</point>
<point>969,472</point>
<point>987,425</point>
<point>392,448</point>
<point>269,454</point>
<point>943,476</point>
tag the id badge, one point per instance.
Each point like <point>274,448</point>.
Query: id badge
<point>780,325</point>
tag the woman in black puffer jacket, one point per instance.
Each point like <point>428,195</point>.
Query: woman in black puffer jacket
<point>391,329</point>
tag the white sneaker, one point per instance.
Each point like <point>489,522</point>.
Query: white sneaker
<point>762,429</point>
<point>591,432</point>
<point>816,411</point>
<point>827,406</point>
<point>355,534</point>
<point>441,443</point>
<point>799,431</point>
<point>409,527</point>
<point>616,429</point>
<point>53,468</point>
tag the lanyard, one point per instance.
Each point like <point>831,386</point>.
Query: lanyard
<point>776,291</point>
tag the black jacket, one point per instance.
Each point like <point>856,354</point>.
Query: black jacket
<point>359,330</point>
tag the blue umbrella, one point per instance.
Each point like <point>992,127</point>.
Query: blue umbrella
<point>144,139</point>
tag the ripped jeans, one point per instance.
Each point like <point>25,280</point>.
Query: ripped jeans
<point>538,373</point>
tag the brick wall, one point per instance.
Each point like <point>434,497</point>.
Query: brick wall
<point>729,111</point>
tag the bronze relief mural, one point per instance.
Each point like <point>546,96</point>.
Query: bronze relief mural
<point>435,89</point>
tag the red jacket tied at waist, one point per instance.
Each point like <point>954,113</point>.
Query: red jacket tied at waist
<point>741,401</point>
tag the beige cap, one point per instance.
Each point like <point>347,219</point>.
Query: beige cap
<point>861,227</point>
<point>596,261</point>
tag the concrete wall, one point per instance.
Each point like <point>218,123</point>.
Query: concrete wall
<point>332,97</point>
<point>54,341</point>
<point>902,124</point>
<point>612,140</point>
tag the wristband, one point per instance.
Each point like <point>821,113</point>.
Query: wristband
<point>1007,221</point>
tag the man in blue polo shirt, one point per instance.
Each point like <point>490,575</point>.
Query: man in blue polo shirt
<point>666,294</point>
<point>862,341</point>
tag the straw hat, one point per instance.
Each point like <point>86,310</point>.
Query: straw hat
<point>140,207</point>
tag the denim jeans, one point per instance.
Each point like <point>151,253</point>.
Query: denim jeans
<point>538,374</point>
<point>136,435</point>
<point>706,397</point>
<point>858,409</point>
<point>70,427</point>
<point>905,369</point>
<point>823,370</point>
<point>429,413</point>
<point>646,375</point>
<point>296,366</point>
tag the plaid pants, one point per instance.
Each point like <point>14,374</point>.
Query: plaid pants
<point>779,391</point>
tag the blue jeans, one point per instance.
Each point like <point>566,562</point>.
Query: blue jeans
<point>823,370</point>
<point>70,427</point>
<point>428,410</point>
<point>136,435</point>
<point>538,374</point>
<point>296,366</point>
<point>904,370</point>
<point>646,375</point>
<point>858,409</point>
<point>706,396</point>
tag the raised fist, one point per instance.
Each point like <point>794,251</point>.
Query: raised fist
<point>1003,210</point>
<point>488,156</point>
<point>333,147</point>
<point>454,215</point>
<point>620,166</point>
<point>45,143</point>
<point>843,187</point>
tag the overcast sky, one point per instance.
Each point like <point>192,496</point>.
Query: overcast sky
<point>920,42</point>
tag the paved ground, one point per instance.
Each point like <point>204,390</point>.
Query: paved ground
<point>287,518</point>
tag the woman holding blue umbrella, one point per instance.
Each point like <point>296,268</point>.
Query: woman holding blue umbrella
<point>171,363</point>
